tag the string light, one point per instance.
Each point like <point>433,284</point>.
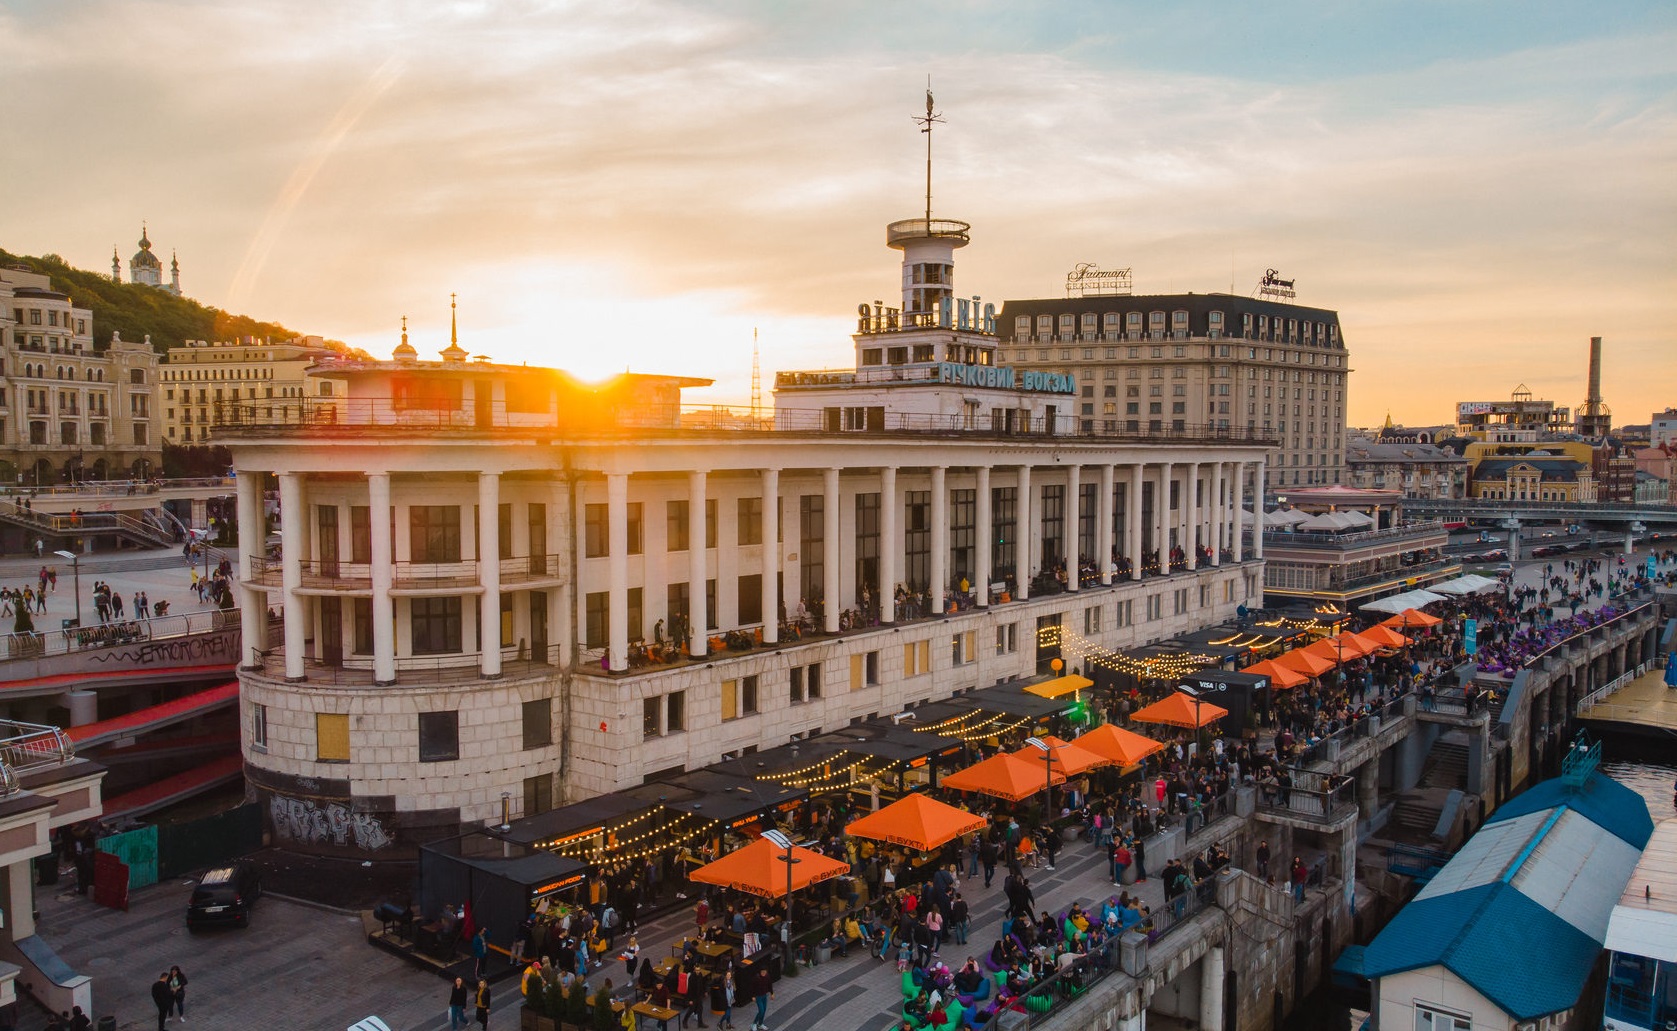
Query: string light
<point>962,733</point>
<point>954,721</point>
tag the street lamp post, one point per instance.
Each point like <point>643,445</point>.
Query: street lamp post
<point>1193,692</point>
<point>76,573</point>
<point>779,840</point>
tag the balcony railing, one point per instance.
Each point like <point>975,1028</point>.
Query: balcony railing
<point>1312,795</point>
<point>356,670</point>
<point>42,643</point>
<point>358,576</point>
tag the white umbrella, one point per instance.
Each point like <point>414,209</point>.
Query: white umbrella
<point>1458,586</point>
<point>1284,517</point>
<point>1358,518</point>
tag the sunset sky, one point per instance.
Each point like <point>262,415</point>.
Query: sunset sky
<point>1476,187</point>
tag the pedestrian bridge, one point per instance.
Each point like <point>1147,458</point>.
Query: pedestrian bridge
<point>1598,513</point>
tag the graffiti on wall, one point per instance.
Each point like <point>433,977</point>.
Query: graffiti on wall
<point>312,823</point>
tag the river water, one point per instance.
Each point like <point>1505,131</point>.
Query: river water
<point>1652,780</point>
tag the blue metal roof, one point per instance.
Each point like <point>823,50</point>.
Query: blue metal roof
<point>1601,799</point>
<point>1520,912</point>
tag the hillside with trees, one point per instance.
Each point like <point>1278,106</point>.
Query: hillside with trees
<point>136,311</point>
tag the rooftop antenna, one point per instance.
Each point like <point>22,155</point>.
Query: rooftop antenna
<point>756,379</point>
<point>931,118</point>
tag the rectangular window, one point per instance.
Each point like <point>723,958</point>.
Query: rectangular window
<point>1431,1018</point>
<point>872,668</point>
<point>797,685</point>
<point>676,525</point>
<point>675,712</point>
<point>1006,639</point>
<point>361,612</point>
<point>538,723</point>
<point>360,533</point>
<point>439,736</point>
<point>750,512</point>
<point>1003,527</point>
<point>434,533</point>
<point>538,794</point>
<point>917,541</point>
<point>637,619</point>
<point>259,725</point>
<point>677,610</point>
<point>812,681</point>
<point>1092,619</point>
<point>1088,515</point>
<point>331,737</point>
<point>812,549</point>
<point>651,709</point>
<point>751,598</point>
<point>710,524</point>
<point>917,658</point>
<point>535,519</point>
<point>503,530</point>
<point>867,544</point>
<point>739,697</point>
<point>711,616</point>
<point>962,648</point>
<point>636,528</point>
<point>1053,523</point>
<point>596,606</point>
<point>594,531</point>
<point>963,533</point>
<point>436,625</point>
<point>1155,606</point>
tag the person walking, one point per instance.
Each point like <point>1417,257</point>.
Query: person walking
<point>163,997</point>
<point>457,1006</point>
<point>762,989</point>
<point>480,953</point>
<point>482,1002</point>
<point>177,986</point>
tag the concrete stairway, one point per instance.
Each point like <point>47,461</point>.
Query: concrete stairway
<point>1446,766</point>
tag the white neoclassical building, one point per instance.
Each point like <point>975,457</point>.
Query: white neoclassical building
<point>500,589</point>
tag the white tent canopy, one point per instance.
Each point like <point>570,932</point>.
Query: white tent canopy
<point>1335,522</point>
<point>1398,602</point>
<point>1469,584</point>
<point>1284,517</point>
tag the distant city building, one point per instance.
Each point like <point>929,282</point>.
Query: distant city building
<point>1175,363</point>
<point>69,411</point>
<point>1393,459</point>
<point>1519,420</point>
<point>146,269</point>
<point>198,375</point>
<point>1662,428</point>
<point>1615,473</point>
<point>1536,475</point>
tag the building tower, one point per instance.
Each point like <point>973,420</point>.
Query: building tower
<point>453,352</point>
<point>174,274</point>
<point>116,267</point>
<point>144,268</point>
<point>928,248</point>
<point>1594,418</point>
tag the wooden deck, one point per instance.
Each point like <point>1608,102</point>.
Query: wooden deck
<point>1645,705</point>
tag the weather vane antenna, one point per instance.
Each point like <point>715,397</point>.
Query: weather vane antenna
<point>930,119</point>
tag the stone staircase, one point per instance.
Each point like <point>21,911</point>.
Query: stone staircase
<point>1446,766</point>
<point>1416,812</point>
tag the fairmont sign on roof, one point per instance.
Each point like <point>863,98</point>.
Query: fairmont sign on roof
<point>1005,378</point>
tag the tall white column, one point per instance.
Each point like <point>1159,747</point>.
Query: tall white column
<point>887,544</point>
<point>940,541</point>
<point>617,567</point>
<point>489,573</point>
<point>1026,530</point>
<point>771,555</point>
<point>1239,546</point>
<point>1106,537</point>
<point>1161,517</point>
<point>986,534</point>
<point>383,577</point>
<point>1211,989</point>
<point>1258,512</point>
<point>293,516</point>
<point>1073,509</point>
<point>698,612</point>
<point>253,603</point>
<point>1214,512</point>
<point>832,554</point>
<point>1132,519</point>
<point>1190,513</point>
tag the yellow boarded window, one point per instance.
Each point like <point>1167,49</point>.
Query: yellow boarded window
<point>331,732</point>
<point>855,672</point>
<point>730,699</point>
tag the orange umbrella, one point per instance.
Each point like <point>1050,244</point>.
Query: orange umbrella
<point>1384,637</point>
<point>1342,648</point>
<point>1178,710</point>
<point>1068,758</point>
<point>1124,747</point>
<point>916,821</point>
<point>760,868</point>
<point>1003,776</point>
<point>1411,618</point>
<point>1280,677</point>
<point>1303,660</point>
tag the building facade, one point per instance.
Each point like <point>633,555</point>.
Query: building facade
<point>501,588</point>
<point>1164,363</point>
<point>146,268</point>
<point>199,374</point>
<point>1662,428</point>
<point>69,411</point>
<point>1417,469</point>
<point>1521,419</point>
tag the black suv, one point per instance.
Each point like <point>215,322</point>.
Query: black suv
<point>226,894</point>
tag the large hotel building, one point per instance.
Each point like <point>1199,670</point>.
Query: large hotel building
<point>1166,363</point>
<point>502,589</point>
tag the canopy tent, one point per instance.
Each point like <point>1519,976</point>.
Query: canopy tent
<point>1303,660</point>
<point>1280,677</point>
<point>1340,648</point>
<point>1123,747</point>
<point>1282,517</point>
<point>1399,602</point>
<point>500,880</point>
<point>760,869</point>
<point>577,824</point>
<point>1060,686</point>
<point>1469,584</point>
<point>1382,636</point>
<point>1334,522</point>
<point>1246,517</point>
<point>1066,757</point>
<point>1412,619</point>
<point>916,821</point>
<point>1178,710</point>
<point>1003,776</point>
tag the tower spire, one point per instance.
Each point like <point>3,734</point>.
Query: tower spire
<point>454,352</point>
<point>926,122</point>
<point>116,266</point>
<point>756,379</point>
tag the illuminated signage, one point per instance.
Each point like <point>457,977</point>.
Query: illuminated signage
<point>953,313</point>
<point>743,821</point>
<point>578,836</point>
<point>917,763</point>
<point>1004,378</point>
<point>552,886</point>
<point>1274,286</point>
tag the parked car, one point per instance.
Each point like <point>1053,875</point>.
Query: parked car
<point>225,895</point>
